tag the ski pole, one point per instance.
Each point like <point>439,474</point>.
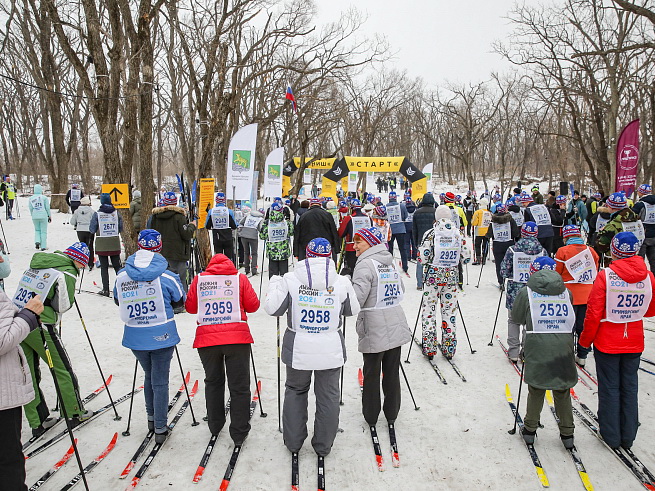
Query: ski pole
<point>279,403</point>
<point>518,402</point>
<point>261,273</point>
<point>465,330</point>
<point>4,237</point>
<point>186,388</point>
<point>129,415</point>
<point>79,289</point>
<point>467,273</point>
<point>491,341</point>
<point>111,399</point>
<point>482,259</point>
<point>402,368</point>
<point>64,412</point>
<point>262,414</point>
<point>416,325</point>
<point>344,341</point>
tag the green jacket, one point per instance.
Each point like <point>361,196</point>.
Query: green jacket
<point>277,251</point>
<point>613,227</point>
<point>61,296</point>
<point>549,358</point>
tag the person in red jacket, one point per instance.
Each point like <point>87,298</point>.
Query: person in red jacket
<point>620,298</point>
<point>221,297</point>
<point>357,220</point>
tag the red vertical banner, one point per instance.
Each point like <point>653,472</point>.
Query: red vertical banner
<point>627,158</point>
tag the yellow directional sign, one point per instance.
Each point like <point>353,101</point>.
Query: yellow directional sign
<point>120,195</point>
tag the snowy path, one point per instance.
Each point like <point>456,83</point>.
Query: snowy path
<point>457,440</point>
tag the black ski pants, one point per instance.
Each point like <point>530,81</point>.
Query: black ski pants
<point>88,239</point>
<point>277,268</point>
<point>104,268</point>
<point>232,360</point>
<point>12,461</point>
<point>387,362</point>
<point>226,247</point>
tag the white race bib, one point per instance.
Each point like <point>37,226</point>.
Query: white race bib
<point>626,302</point>
<point>446,251</point>
<point>551,313</point>
<point>540,214</point>
<point>76,194</point>
<point>456,217</point>
<point>278,231</point>
<point>582,267</point>
<point>502,232</point>
<point>394,213</point>
<point>521,266</point>
<point>220,218</point>
<point>34,282</point>
<point>486,219</point>
<point>252,222</point>
<point>636,228</point>
<point>390,291</point>
<point>218,299</point>
<point>37,202</point>
<point>141,303</point>
<point>410,217</point>
<point>600,223</point>
<point>518,217</point>
<point>649,219</point>
<point>108,224</point>
<point>315,311</point>
<point>360,223</point>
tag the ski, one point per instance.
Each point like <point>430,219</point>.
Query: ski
<point>505,350</point>
<point>434,365</point>
<point>42,480</point>
<point>210,448</point>
<point>650,362</point>
<point>95,293</point>
<point>395,459</point>
<point>92,464</point>
<point>452,364</point>
<point>376,448</point>
<point>573,452</point>
<point>586,372</point>
<point>647,371</point>
<point>95,414</point>
<point>295,472</point>
<point>155,450</point>
<point>86,400</point>
<point>533,453</point>
<point>321,473</point>
<point>150,435</point>
<point>237,448</point>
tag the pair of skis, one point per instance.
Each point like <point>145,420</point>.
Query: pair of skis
<point>437,370</point>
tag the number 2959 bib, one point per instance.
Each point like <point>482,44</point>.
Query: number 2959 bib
<point>218,299</point>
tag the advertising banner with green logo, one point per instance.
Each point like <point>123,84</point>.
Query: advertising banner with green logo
<point>240,163</point>
<point>273,177</point>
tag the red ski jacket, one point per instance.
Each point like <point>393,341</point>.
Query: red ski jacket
<point>232,333</point>
<point>610,337</point>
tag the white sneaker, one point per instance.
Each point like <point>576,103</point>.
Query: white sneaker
<point>580,361</point>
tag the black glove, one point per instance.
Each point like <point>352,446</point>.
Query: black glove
<point>49,219</point>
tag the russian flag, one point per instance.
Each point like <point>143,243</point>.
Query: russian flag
<point>289,95</point>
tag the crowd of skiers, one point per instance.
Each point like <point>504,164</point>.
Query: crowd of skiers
<point>559,302</point>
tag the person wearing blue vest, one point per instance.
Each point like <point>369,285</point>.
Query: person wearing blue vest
<point>221,220</point>
<point>397,213</point>
<point>146,293</point>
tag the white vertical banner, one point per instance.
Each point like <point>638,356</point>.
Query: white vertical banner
<point>273,176</point>
<point>427,170</point>
<point>370,182</point>
<point>352,181</point>
<point>240,163</point>
<point>307,176</point>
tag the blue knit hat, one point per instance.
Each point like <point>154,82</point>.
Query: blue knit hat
<point>79,252</point>
<point>355,203</point>
<point>278,199</point>
<point>150,240</point>
<point>529,229</point>
<point>625,244</point>
<point>525,198</point>
<point>220,198</point>
<point>560,200</point>
<point>501,208</point>
<point>617,201</point>
<point>644,189</point>
<point>542,262</point>
<point>380,211</point>
<point>315,202</point>
<point>276,206</point>
<point>319,247</point>
<point>169,198</point>
<point>393,196</point>
<point>105,199</point>
<point>371,235</point>
<point>571,231</point>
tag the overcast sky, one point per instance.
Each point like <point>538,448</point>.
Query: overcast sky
<point>437,40</point>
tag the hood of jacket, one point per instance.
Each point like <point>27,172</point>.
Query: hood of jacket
<point>221,264</point>
<point>276,216</point>
<point>428,200</point>
<point>38,189</point>
<point>546,282</point>
<point>604,211</point>
<point>411,207</point>
<point>145,265</point>
<point>316,272</point>
<point>107,208</point>
<point>444,227</point>
<point>501,218</point>
<point>630,269</point>
<point>650,199</point>
<point>514,208</point>
<point>528,245</point>
<point>167,211</point>
<point>57,260</point>
<point>378,252</point>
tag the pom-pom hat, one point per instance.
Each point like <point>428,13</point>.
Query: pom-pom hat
<point>617,201</point>
<point>542,262</point>
<point>380,211</point>
<point>529,229</point>
<point>220,198</point>
<point>319,247</point>
<point>169,198</point>
<point>560,200</point>
<point>501,208</point>
<point>78,252</point>
<point>315,202</point>
<point>644,189</point>
<point>449,197</point>
<point>525,198</point>
<point>150,240</point>
<point>625,244</point>
<point>570,231</point>
<point>371,235</point>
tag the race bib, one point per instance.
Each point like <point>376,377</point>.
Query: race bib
<point>502,232</point>
<point>108,224</point>
<point>315,311</point>
<point>394,213</point>
<point>601,222</point>
<point>34,282</point>
<point>446,251</point>
<point>551,313</point>
<point>218,299</point>
<point>518,217</point>
<point>649,219</point>
<point>486,219</point>
<point>220,217</point>
<point>626,302</point>
<point>360,223</point>
<point>410,218</point>
<point>238,215</point>
<point>582,267</point>
<point>521,266</point>
<point>390,291</point>
<point>456,218</point>
<point>540,215</point>
<point>636,228</point>
<point>252,222</point>
<point>278,231</point>
<point>37,202</point>
<point>76,194</point>
<point>141,303</point>
<point>384,230</point>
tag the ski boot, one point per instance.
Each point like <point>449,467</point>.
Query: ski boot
<point>528,436</point>
<point>567,441</point>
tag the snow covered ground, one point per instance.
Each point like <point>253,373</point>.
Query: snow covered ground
<point>457,440</point>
